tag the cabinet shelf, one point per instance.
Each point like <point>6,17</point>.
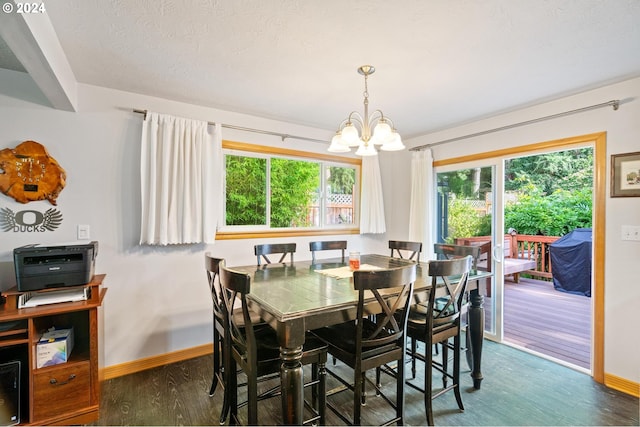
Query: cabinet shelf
<point>74,384</point>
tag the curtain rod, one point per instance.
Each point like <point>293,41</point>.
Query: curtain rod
<point>614,103</point>
<point>283,136</point>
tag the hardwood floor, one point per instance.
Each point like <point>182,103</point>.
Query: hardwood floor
<point>518,389</point>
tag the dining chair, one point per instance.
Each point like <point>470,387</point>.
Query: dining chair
<point>212,267</point>
<point>261,251</point>
<point>256,351</point>
<point>449,251</point>
<point>405,250</point>
<point>436,321</point>
<point>369,342</point>
<point>325,246</point>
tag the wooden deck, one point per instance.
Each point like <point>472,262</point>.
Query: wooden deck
<point>541,319</point>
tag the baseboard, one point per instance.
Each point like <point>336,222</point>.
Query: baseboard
<point>134,366</point>
<point>622,384</point>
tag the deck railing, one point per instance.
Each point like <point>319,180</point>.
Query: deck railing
<point>523,246</point>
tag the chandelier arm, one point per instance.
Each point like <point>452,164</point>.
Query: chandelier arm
<point>354,116</point>
<point>373,116</point>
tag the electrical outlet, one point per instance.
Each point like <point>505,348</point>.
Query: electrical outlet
<point>631,232</point>
<point>83,232</point>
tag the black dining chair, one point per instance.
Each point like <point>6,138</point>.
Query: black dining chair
<point>405,249</point>
<point>436,321</point>
<point>261,251</point>
<point>256,351</point>
<point>212,267</point>
<point>326,246</point>
<point>369,342</point>
<point>449,251</point>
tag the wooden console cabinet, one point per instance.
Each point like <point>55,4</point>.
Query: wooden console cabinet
<point>67,393</point>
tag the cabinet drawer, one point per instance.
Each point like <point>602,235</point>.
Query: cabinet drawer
<point>61,389</point>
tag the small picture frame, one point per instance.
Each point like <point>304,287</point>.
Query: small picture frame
<point>625,175</point>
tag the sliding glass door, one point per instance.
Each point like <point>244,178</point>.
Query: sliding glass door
<point>469,212</point>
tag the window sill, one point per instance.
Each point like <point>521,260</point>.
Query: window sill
<point>228,235</point>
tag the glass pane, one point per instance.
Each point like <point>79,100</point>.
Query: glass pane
<point>465,208</point>
<point>294,189</point>
<point>341,184</point>
<point>246,190</point>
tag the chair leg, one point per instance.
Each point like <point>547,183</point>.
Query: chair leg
<point>252,399</point>
<point>357,396</point>
<point>400,387</point>
<point>216,362</point>
<point>456,371</point>
<point>322,392</point>
<point>414,347</point>
<point>445,362</point>
<point>231,392</point>
<point>428,383</point>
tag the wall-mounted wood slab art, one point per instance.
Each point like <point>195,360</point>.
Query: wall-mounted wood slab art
<point>29,173</point>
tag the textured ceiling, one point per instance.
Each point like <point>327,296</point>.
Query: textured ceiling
<point>439,62</point>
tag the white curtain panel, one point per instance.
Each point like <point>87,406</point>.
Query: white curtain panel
<point>371,204</point>
<point>421,211</point>
<point>181,164</point>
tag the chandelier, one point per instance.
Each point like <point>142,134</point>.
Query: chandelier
<point>384,134</point>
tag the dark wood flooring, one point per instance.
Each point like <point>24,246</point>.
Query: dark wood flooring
<point>518,389</point>
<point>541,319</point>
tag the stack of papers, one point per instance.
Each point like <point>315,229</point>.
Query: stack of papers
<point>345,272</point>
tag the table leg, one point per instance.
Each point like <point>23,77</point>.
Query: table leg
<point>476,332</point>
<point>291,379</point>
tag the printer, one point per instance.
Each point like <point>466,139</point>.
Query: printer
<point>40,267</point>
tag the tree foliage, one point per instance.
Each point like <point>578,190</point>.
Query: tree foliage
<point>294,185</point>
<point>553,215</point>
<point>553,195</point>
<point>246,190</point>
<point>342,179</point>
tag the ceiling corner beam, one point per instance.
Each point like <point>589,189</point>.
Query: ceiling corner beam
<point>34,42</point>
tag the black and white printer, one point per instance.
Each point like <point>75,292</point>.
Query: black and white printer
<point>41,267</point>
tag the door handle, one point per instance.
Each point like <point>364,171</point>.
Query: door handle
<point>496,253</point>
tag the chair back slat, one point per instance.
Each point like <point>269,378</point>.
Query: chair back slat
<point>454,274</point>
<point>447,251</point>
<point>212,268</point>
<point>236,285</point>
<point>326,246</point>
<point>261,251</point>
<point>391,322</point>
<point>405,250</point>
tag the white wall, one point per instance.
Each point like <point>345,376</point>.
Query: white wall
<point>622,293</point>
<point>158,300</point>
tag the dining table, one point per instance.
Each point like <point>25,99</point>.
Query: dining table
<point>299,296</point>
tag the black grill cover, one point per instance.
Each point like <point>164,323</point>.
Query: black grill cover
<point>571,262</point>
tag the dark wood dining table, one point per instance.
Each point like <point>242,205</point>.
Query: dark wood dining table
<point>296,297</point>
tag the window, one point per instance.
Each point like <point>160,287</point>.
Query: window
<point>269,189</point>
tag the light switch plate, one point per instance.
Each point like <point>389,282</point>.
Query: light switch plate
<point>631,232</point>
<point>83,232</point>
